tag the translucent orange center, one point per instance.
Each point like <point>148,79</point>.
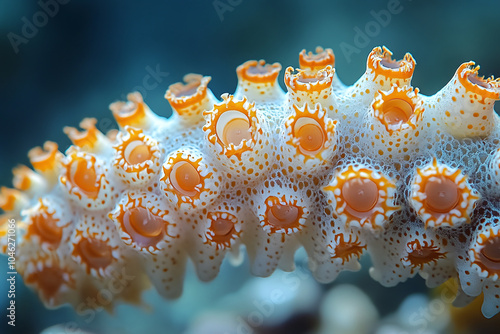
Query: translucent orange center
<point>360,194</point>
<point>49,280</point>
<point>144,223</point>
<point>396,111</point>
<point>310,137</point>
<point>282,216</point>
<point>389,63</point>
<point>441,194</point>
<point>184,178</point>
<point>84,177</point>
<point>491,250</point>
<point>94,252</point>
<point>137,152</point>
<point>474,79</point>
<point>236,131</point>
<point>46,227</point>
<point>222,227</point>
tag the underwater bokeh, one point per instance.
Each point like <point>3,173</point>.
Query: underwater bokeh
<point>90,53</point>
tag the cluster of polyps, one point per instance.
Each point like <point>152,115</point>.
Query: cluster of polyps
<point>376,167</point>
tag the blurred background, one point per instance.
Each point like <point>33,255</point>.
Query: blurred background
<point>63,60</point>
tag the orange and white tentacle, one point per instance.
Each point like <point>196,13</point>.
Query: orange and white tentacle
<point>217,231</point>
<point>428,254</point>
<point>48,223</point>
<point>189,180</point>
<point>28,181</point>
<point>12,200</point>
<point>393,120</point>
<point>222,228</point>
<point>484,252</point>
<point>191,98</point>
<point>90,140</point>
<point>310,139</point>
<point>258,82</point>
<point>442,196</point>
<point>237,138</point>
<point>136,157</point>
<point>465,106</point>
<point>311,88</point>
<point>362,197</point>
<point>382,72</point>
<point>96,247</point>
<point>312,62</point>
<point>346,249</point>
<point>55,280</point>
<point>134,113</point>
<point>341,251</point>
<point>285,214</point>
<point>280,215</point>
<point>85,182</point>
<point>46,161</point>
<point>145,224</point>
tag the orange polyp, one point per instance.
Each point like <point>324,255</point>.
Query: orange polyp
<point>84,177</point>
<point>45,225</point>
<point>235,131</point>
<point>137,152</point>
<point>46,159</point>
<point>22,177</point>
<point>309,81</point>
<point>491,251</point>
<point>311,137</point>
<point>381,63</point>
<point>222,227</point>
<point>315,61</point>
<point>8,198</point>
<point>390,63</point>
<point>474,79</point>
<point>282,216</point>
<point>397,111</point>
<point>185,178</point>
<point>88,137</point>
<point>473,83</point>
<point>421,254</point>
<point>360,194</point>
<point>223,231</point>
<point>346,250</point>
<point>144,223</point>
<point>48,280</point>
<point>192,92</point>
<point>442,194</point>
<point>258,72</point>
<point>130,113</point>
<point>95,253</point>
